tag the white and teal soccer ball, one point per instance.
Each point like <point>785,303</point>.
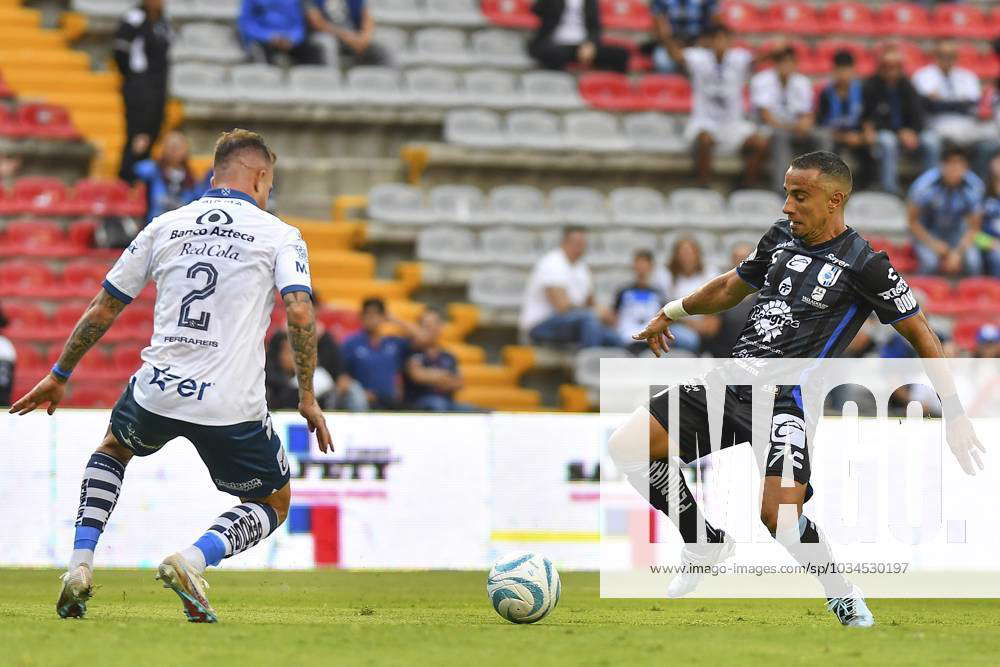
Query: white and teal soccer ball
<point>523,587</point>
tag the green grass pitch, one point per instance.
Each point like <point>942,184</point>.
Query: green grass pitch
<point>444,618</point>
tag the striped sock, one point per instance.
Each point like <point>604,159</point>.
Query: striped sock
<point>234,532</point>
<point>102,482</point>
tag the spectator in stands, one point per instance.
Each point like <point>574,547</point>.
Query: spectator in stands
<point>570,34</point>
<point>841,103</point>
<point>722,330</point>
<point>945,213</point>
<point>686,272</point>
<point>988,239</point>
<point>637,303</point>
<point>681,21</point>
<point>783,101</point>
<point>987,342</point>
<point>335,389</point>
<point>141,44</point>
<point>8,358</point>
<point>892,119</point>
<point>276,31</point>
<point>170,182</point>
<point>376,360</point>
<point>345,27</point>
<point>432,376</point>
<point>951,95</point>
<point>718,75</point>
<point>559,300</point>
<point>9,168</point>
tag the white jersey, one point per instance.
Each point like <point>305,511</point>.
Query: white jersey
<point>216,263</point>
<point>717,87</point>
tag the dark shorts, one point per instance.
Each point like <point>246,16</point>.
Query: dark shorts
<point>245,460</point>
<point>787,431</point>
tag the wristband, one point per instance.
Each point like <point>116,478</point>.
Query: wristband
<point>951,407</point>
<point>60,373</point>
<point>675,310</point>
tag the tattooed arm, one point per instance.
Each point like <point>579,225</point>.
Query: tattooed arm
<point>302,337</point>
<point>98,318</point>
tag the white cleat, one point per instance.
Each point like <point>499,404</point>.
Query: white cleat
<point>852,610</point>
<point>77,588</point>
<point>696,557</point>
<point>178,575</point>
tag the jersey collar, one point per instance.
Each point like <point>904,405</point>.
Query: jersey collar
<point>229,193</point>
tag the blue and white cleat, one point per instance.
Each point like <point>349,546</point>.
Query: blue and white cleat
<point>179,576</point>
<point>697,559</point>
<point>852,610</point>
<point>77,588</point>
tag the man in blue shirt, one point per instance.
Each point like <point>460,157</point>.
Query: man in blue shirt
<point>374,360</point>
<point>345,27</point>
<point>840,107</point>
<point>945,213</point>
<point>682,20</point>
<point>989,239</point>
<point>170,181</point>
<point>637,303</point>
<point>432,376</point>
<point>274,30</point>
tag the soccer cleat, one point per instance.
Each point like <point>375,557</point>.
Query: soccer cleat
<point>179,576</point>
<point>852,610</point>
<point>696,557</point>
<point>77,588</point>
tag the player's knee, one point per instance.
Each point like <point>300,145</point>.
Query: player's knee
<point>280,502</point>
<point>633,444</point>
<point>111,447</point>
<point>769,517</point>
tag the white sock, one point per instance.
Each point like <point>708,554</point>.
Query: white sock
<point>82,557</point>
<point>196,557</point>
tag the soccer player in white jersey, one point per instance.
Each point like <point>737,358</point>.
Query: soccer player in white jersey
<point>216,263</point>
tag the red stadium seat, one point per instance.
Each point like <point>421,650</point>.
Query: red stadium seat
<point>36,238</point>
<point>126,359</point>
<point>92,396</point>
<point>904,19</point>
<point>607,90</point>
<point>665,92</point>
<point>95,366</point>
<point>978,295</point>
<point>510,13</point>
<point>980,63</point>
<point>147,295</point>
<point>38,195</point>
<point>31,362</point>
<point>625,15</point>
<point>962,21</point>
<point>25,278</point>
<point>793,18</point>
<point>864,59</point>
<point>93,197</point>
<point>47,121</point>
<point>848,18</point>
<point>134,324</point>
<point>26,320</point>
<point>913,56</point>
<point>741,17</point>
<point>341,323</point>
<point>64,319</point>
<point>966,329</point>
<point>937,290</point>
<point>809,61</point>
<point>10,124</point>
<point>83,278</point>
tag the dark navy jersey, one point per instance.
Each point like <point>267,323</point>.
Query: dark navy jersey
<point>812,300</point>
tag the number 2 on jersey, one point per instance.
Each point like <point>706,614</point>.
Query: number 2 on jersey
<point>200,322</point>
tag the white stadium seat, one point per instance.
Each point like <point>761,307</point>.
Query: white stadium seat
<point>207,42</point>
<point>448,245</point>
<point>579,206</point>
<point>376,85</point>
<point>201,10</point>
<point>510,246</point>
<point>519,205</point>
<point>259,83</point>
<point>455,12</point>
<point>878,212</point>
<point>478,128</point>
<point>432,86</point>
<point>461,204</point>
<point>317,84</point>
<point>102,9</point>
<point>607,282</point>
<point>708,241</point>
<point>399,12</point>
<point>535,129</point>
<point>639,207</point>
<point>699,207</point>
<point>440,46</point>
<point>653,132</point>
<point>594,131</point>
<point>620,245</point>
<point>394,40</point>
<point>754,208</point>
<point>200,82</point>
<point>399,204</point>
<point>551,90</point>
<point>492,88</point>
<point>500,48</point>
<point>498,287</point>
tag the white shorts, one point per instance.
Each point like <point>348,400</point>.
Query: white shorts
<point>729,137</point>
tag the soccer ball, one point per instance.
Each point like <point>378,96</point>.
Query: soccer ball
<point>523,587</point>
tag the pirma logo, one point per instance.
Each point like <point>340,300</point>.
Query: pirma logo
<point>215,216</point>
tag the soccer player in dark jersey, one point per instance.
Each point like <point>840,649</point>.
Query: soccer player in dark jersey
<point>816,281</point>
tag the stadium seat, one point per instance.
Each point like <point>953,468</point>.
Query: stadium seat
<point>791,17</point>
<point>498,287</point>
<point>199,10</point>
<point>458,204</point>
<point>754,208</point>
<point>109,9</point>
<point>904,19</point>
<point>435,87</point>
<point>92,396</point>
<point>937,291</point>
<point>398,203</point>
<point>398,12</point>
<point>708,241</point>
<point>665,92</point>
<point>454,12</point>
<point>394,40</point>
<point>26,321</point>
<point>36,237</point>
<point>126,359</point>
<point>625,15</point>
<point>700,207</point>
<point>339,321</point>
<point>550,90</point>
<point>200,82</point>
<point>594,131</point>
<point>730,241</point>
<point>31,363</point>
<point>864,59</point>
<point>877,212</point>
<point>83,278</point>
<point>965,331</point>
<point>492,88</point>
<point>448,245</point>
<point>574,205</point>
<point>259,84</point>
<point>440,46</point>
<point>743,17</point>
<point>518,205</point>
<point>64,319</point>
<point>587,365</point>
<point>509,246</point>
<point>376,85</point>
<point>26,278</point>
<point>134,324</point>
<point>47,121</point>
<point>607,282</point>
<point>616,247</point>
<point>639,207</point>
<point>499,48</point>
<point>510,13</point>
<point>913,56</point>
<point>653,132</point>
<point>961,21</point>
<point>97,197</point>
<point>848,18</point>
<point>37,195</point>
<point>207,42</point>
<point>535,129</point>
<point>608,90</point>
<point>982,64</point>
<point>10,124</point>
<point>478,128</point>
<point>978,295</point>
<point>317,84</point>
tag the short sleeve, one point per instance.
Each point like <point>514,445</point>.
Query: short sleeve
<point>291,266</point>
<point>761,96</point>
<point>131,272</point>
<point>885,291</point>
<point>552,273</point>
<point>753,269</point>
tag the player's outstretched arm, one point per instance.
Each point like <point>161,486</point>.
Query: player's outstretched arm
<point>719,294</point>
<point>961,436</point>
<point>98,318</point>
<point>302,337</point>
